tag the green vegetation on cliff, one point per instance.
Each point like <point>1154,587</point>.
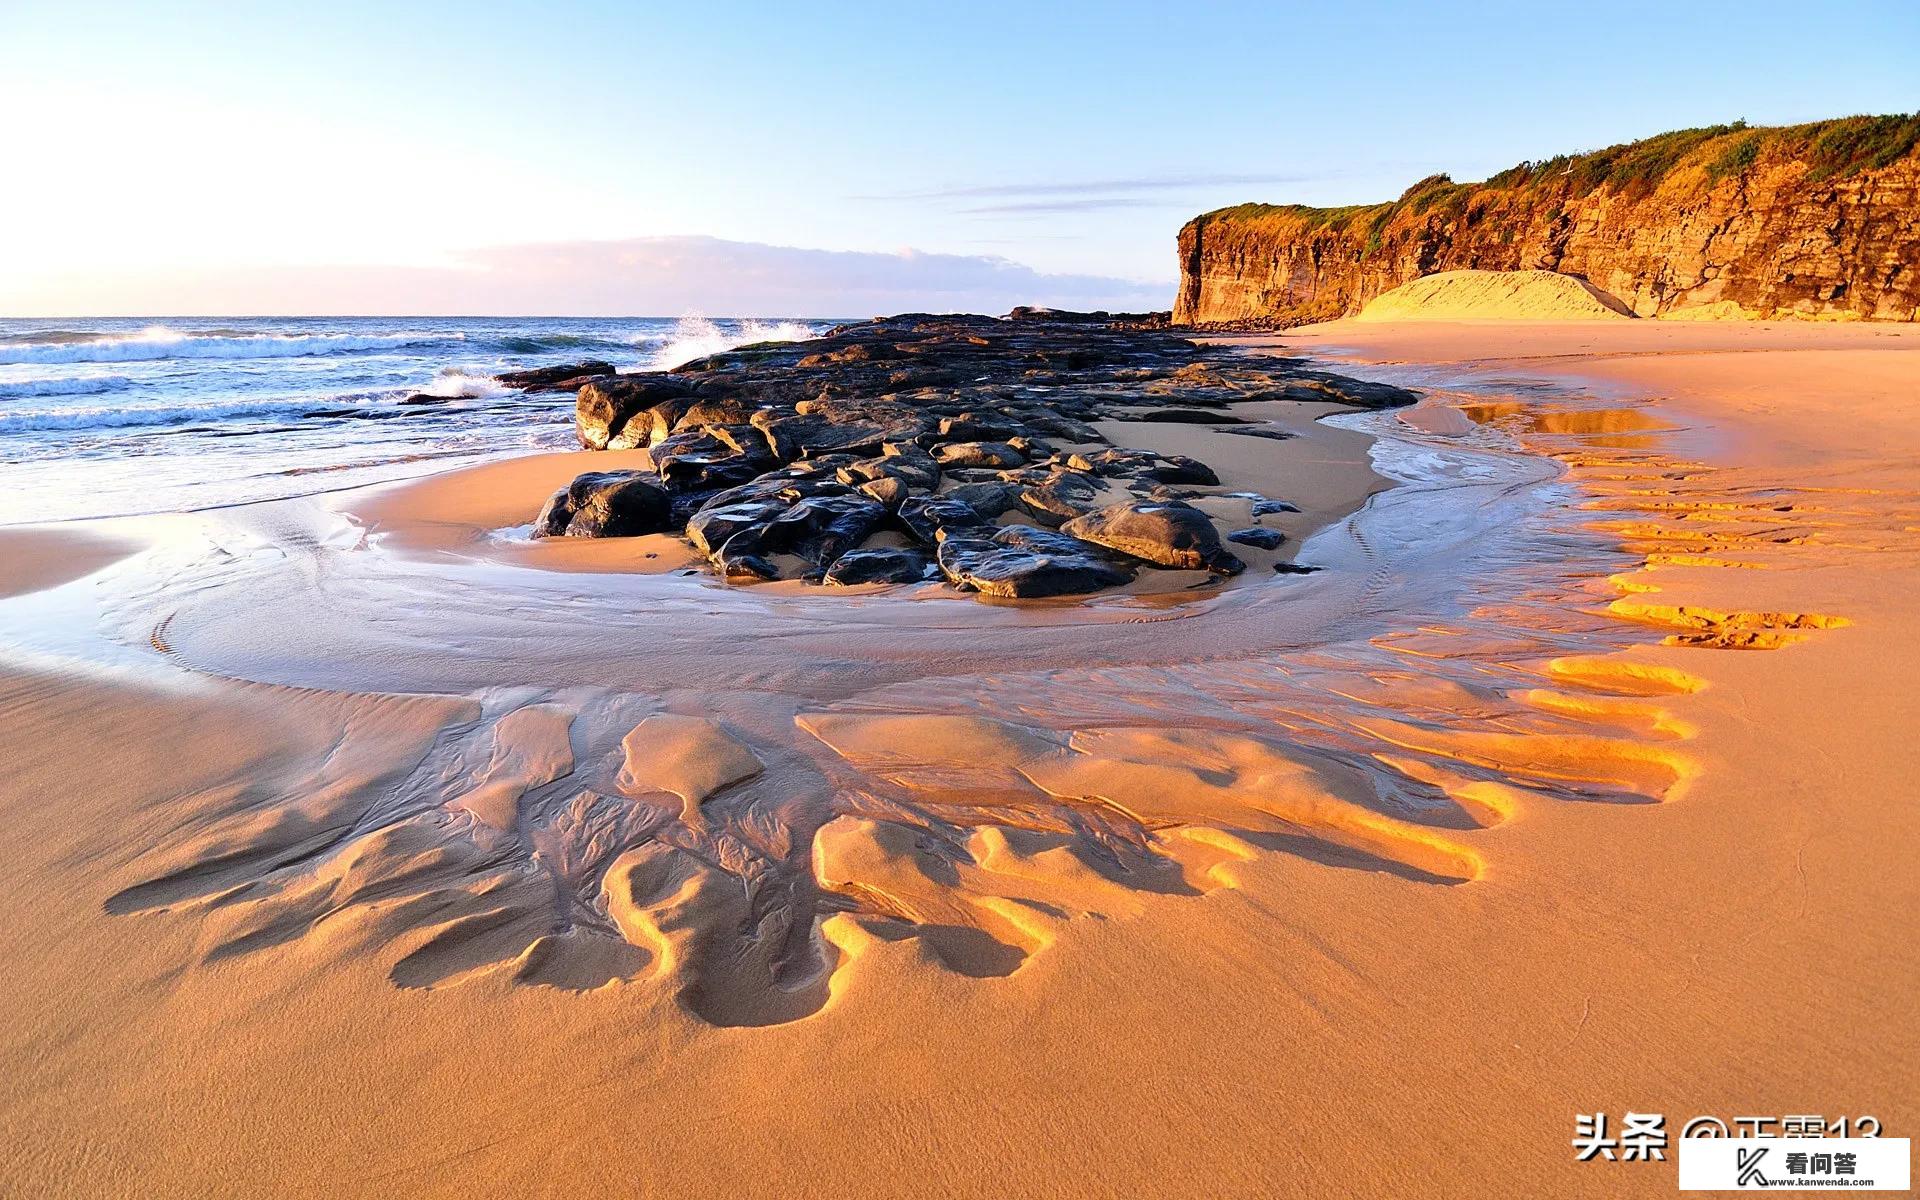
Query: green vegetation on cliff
<point>1835,149</point>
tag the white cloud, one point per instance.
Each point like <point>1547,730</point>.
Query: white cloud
<point>652,276</point>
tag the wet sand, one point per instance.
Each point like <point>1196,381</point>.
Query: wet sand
<point>361,849</point>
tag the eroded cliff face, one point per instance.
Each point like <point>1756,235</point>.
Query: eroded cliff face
<point>1812,221</point>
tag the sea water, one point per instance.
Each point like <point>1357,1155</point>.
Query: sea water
<point>114,417</point>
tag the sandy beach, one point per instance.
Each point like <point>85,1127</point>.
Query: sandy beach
<point>360,845</point>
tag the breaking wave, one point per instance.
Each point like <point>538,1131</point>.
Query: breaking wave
<point>85,385</point>
<point>159,342</point>
<point>117,417</point>
<point>696,337</point>
<point>456,384</point>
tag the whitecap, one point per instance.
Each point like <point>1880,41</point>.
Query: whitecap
<point>696,337</point>
<point>158,342</point>
<point>83,385</point>
<point>456,384</point>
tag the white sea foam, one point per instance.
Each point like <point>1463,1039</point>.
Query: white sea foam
<point>455,383</point>
<point>696,337</point>
<point>81,385</point>
<point>103,416</point>
<point>159,342</point>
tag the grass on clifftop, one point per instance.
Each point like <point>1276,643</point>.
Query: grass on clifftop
<point>1835,149</point>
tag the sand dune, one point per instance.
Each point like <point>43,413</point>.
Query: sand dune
<point>1494,296</point>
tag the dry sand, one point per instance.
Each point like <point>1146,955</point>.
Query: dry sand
<point>355,851</point>
<point>1495,296</point>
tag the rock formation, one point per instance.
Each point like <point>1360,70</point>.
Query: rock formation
<point>910,448</point>
<point>1819,220</point>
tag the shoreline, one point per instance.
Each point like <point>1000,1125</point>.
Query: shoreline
<point>1400,837</point>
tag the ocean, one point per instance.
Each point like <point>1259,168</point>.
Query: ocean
<point>114,417</point>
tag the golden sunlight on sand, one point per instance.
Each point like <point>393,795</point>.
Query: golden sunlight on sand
<point>426,860</point>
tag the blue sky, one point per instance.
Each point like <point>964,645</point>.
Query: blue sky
<point>182,156</point>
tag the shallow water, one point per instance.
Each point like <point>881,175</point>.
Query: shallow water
<point>1446,659</point>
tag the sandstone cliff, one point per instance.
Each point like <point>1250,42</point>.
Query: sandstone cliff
<point>1819,220</point>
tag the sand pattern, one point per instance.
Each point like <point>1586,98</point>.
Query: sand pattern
<point>747,850</point>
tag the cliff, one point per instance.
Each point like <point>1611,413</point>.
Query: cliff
<point>1819,220</point>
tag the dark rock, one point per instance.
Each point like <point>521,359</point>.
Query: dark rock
<point>1359,393</point>
<point>903,461</point>
<point>698,461</point>
<point>977,427</point>
<point>977,454</point>
<point>604,407</point>
<point>1265,507</point>
<point>796,435</point>
<point>1187,416</point>
<point>799,450</point>
<point>1178,468</point>
<point>1287,568</point>
<point>565,377</point>
<point>882,564</point>
<point>722,410</point>
<point>929,517</point>
<point>1260,431</point>
<point>717,523</point>
<point>607,504</point>
<point>1260,536</point>
<point>1060,497</point>
<point>742,530</point>
<point>887,490</point>
<point>1067,428</point>
<point>859,352</point>
<point>744,440</point>
<point>1021,562</point>
<point>821,528</point>
<point>1166,534</point>
<point>425,398</point>
<point>989,499</point>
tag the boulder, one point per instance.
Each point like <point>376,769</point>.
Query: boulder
<point>929,517</point>
<point>1021,562</point>
<point>605,406</point>
<point>1258,535</point>
<point>722,410</point>
<point>1178,468</point>
<point>882,564</point>
<point>744,528</point>
<point>698,461</point>
<point>909,464</point>
<point>978,454</point>
<point>821,528</point>
<point>796,435</point>
<point>1187,416</point>
<point>887,490</point>
<point>989,498</point>
<point>1067,428</point>
<point>1060,496</point>
<point>977,427</point>
<point>1167,534</point>
<point>607,504</point>
<point>565,377</point>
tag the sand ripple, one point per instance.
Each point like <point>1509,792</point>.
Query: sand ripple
<point>748,798</point>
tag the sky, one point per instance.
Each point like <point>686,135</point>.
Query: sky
<point>592,157</point>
